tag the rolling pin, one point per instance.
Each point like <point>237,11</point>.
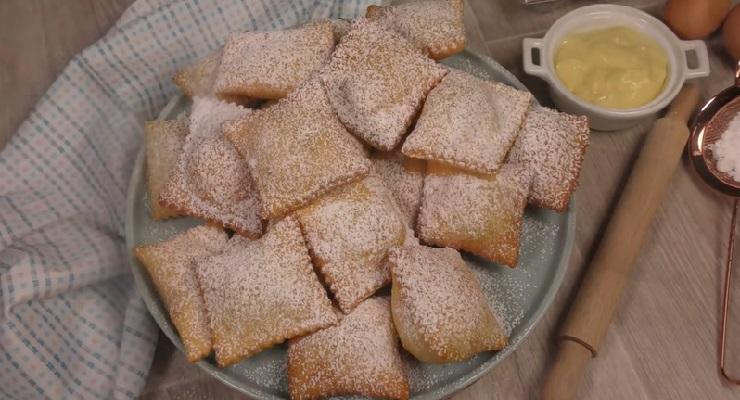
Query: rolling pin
<point>598,296</point>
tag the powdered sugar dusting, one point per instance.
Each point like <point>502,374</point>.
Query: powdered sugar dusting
<point>404,177</point>
<point>259,293</point>
<point>552,145</point>
<point>376,81</point>
<point>298,150</point>
<point>435,26</point>
<point>468,122</point>
<point>164,141</point>
<point>438,305</point>
<point>210,180</point>
<point>170,266</point>
<point>358,356</point>
<point>349,232</point>
<point>271,64</point>
<point>481,214</point>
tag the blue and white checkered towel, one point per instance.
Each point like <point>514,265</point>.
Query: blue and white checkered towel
<point>71,323</point>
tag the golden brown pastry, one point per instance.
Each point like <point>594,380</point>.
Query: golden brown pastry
<point>468,122</point>
<point>268,65</point>
<point>210,180</point>
<point>297,150</point>
<point>349,232</point>
<point>439,309</point>
<point>552,145</point>
<point>360,356</point>
<point>198,79</point>
<point>377,81</point>
<point>164,140</point>
<point>478,213</point>
<point>435,26</point>
<point>260,293</point>
<point>170,265</point>
<point>404,177</point>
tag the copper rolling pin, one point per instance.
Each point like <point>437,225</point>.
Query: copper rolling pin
<point>597,299</point>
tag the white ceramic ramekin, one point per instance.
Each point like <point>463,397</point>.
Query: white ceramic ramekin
<point>603,16</point>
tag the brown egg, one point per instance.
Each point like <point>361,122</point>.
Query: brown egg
<point>731,33</point>
<point>695,19</point>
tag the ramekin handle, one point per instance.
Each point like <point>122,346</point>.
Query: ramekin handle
<point>529,44</point>
<point>702,58</point>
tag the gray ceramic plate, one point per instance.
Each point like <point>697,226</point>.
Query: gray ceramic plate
<point>519,296</point>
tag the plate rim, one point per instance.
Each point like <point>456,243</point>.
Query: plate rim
<point>439,393</point>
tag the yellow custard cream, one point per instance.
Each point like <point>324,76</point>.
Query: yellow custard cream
<point>616,67</point>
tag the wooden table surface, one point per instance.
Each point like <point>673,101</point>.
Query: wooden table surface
<point>663,342</point>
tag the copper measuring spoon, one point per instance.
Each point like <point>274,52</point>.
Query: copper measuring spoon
<point>708,126</point>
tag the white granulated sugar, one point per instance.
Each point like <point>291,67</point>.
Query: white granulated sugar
<point>726,150</point>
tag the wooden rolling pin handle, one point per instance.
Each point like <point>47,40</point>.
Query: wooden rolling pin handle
<point>597,299</point>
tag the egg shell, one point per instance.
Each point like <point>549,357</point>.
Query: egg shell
<point>731,33</point>
<point>695,19</point>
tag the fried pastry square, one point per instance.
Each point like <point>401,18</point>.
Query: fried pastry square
<point>164,140</point>
<point>349,231</point>
<point>438,307</point>
<point>268,65</point>
<point>339,26</point>
<point>260,293</point>
<point>359,356</point>
<point>170,265</point>
<point>552,145</point>
<point>297,150</point>
<point>468,122</point>
<point>435,26</point>
<point>377,81</point>
<point>404,177</point>
<point>198,79</point>
<point>210,180</point>
<point>478,213</point>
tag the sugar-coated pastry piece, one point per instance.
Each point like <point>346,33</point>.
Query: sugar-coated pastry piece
<point>210,180</point>
<point>260,293</point>
<point>377,81</point>
<point>435,26</point>
<point>297,150</point>
<point>478,213</point>
<point>468,122</point>
<point>359,356</point>
<point>552,145</point>
<point>349,231</point>
<point>404,177</point>
<point>268,65</point>
<point>164,140</point>
<point>198,79</point>
<point>438,307</point>
<point>170,265</point>
<point>340,26</point>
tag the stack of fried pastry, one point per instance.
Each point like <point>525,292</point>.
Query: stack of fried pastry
<point>334,159</point>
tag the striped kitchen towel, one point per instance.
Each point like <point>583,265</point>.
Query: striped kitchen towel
<point>71,323</point>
